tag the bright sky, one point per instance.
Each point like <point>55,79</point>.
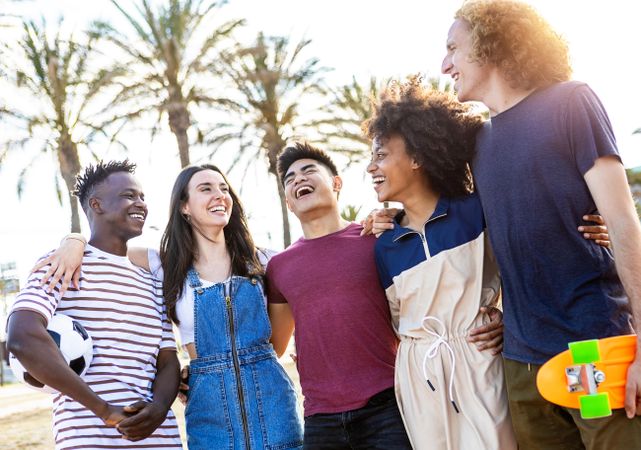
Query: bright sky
<point>357,38</point>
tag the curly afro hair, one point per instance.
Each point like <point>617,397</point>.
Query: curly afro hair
<point>515,38</point>
<point>96,174</point>
<point>439,132</point>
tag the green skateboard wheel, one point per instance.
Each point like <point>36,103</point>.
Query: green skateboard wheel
<point>595,406</point>
<point>584,352</point>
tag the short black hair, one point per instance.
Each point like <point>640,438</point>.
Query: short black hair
<point>96,174</point>
<point>303,150</point>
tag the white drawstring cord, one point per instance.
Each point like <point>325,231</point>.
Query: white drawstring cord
<point>432,351</point>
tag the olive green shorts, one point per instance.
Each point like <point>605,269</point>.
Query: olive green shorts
<point>541,425</point>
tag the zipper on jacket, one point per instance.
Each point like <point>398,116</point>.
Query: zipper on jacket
<point>425,247</point>
<point>234,352</point>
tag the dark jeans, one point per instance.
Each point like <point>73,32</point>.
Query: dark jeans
<point>377,425</point>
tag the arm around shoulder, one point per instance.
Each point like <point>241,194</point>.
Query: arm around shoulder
<point>64,263</point>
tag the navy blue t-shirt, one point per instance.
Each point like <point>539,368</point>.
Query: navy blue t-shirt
<point>529,167</point>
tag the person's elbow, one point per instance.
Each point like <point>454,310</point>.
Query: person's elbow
<point>280,352</point>
<point>23,329</point>
<point>279,348</point>
<point>17,341</point>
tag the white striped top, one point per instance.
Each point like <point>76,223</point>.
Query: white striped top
<point>121,307</point>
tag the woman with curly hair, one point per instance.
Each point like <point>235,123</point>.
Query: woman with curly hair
<point>437,270</point>
<point>548,151</point>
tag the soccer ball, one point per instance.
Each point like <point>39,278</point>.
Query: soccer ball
<point>74,343</point>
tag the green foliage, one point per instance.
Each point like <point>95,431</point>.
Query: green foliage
<point>634,176</point>
<point>350,212</point>
<point>634,180</point>
<point>49,70</point>
<point>168,49</point>
<point>270,84</point>
<point>351,105</point>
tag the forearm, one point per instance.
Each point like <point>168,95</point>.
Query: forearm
<point>626,244</point>
<point>609,188</point>
<point>36,351</point>
<point>165,386</point>
<point>282,324</point>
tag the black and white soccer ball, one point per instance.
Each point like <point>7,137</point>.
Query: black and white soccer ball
<point>74,343</point>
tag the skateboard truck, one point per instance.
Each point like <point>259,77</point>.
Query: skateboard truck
<point>583,378</point>
<point>590,376</point>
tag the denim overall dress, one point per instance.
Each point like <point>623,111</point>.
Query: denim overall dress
<point>240,397</point>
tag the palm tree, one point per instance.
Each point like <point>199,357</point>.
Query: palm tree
<point>55,88</point>
<point>349,108</point>
<point>271,85</point>
<point>350,212</point>
<point>170,49</point>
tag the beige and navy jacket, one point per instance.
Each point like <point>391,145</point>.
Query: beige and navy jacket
<point>450,394</point>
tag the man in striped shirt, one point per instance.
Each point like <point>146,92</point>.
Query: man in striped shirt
<point>124,399</point>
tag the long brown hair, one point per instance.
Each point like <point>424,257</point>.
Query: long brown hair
<point>178,246</point>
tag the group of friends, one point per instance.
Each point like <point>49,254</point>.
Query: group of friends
<point>398,338</point>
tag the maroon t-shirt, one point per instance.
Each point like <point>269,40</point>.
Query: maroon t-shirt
<point>345,343</point>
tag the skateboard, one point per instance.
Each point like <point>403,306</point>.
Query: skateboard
<point>589,376</point>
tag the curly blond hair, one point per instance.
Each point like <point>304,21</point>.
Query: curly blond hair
<point>514,37</point>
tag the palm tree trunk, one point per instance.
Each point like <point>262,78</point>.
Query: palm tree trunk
<point>179,122</point>
<point>70,167</point>
<point>287,239</point>
<point>75,212</point>
<point>273,150</point>
<point>183,144</point>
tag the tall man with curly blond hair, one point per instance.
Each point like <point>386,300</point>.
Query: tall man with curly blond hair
<point>548,150</point>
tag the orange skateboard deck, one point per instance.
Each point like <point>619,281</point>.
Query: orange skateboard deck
<point>590,376</point>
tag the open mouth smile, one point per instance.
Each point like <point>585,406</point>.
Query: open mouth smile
<point>303,191</point>
<point>139,216</point>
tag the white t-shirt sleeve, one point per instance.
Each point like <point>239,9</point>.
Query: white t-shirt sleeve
<point>264,255</point>
<point>185,314</point>
<point>154,263</point>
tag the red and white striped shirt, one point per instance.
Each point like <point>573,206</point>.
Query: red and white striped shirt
<point>121,307</point>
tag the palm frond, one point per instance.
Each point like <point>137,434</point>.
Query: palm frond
<point>222,32</point>
<point>140,31</point>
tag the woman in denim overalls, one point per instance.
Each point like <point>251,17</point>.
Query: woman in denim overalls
<point>239,395</point>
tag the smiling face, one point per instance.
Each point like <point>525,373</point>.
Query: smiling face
<point>310,187</point>
<point>120,201</point>
<point>393,171</point>
<point>470,77</point>
<point>209,203</point>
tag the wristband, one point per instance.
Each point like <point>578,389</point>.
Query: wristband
<point>77,237</point>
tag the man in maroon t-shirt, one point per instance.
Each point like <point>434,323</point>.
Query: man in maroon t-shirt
<point>328,285</point>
